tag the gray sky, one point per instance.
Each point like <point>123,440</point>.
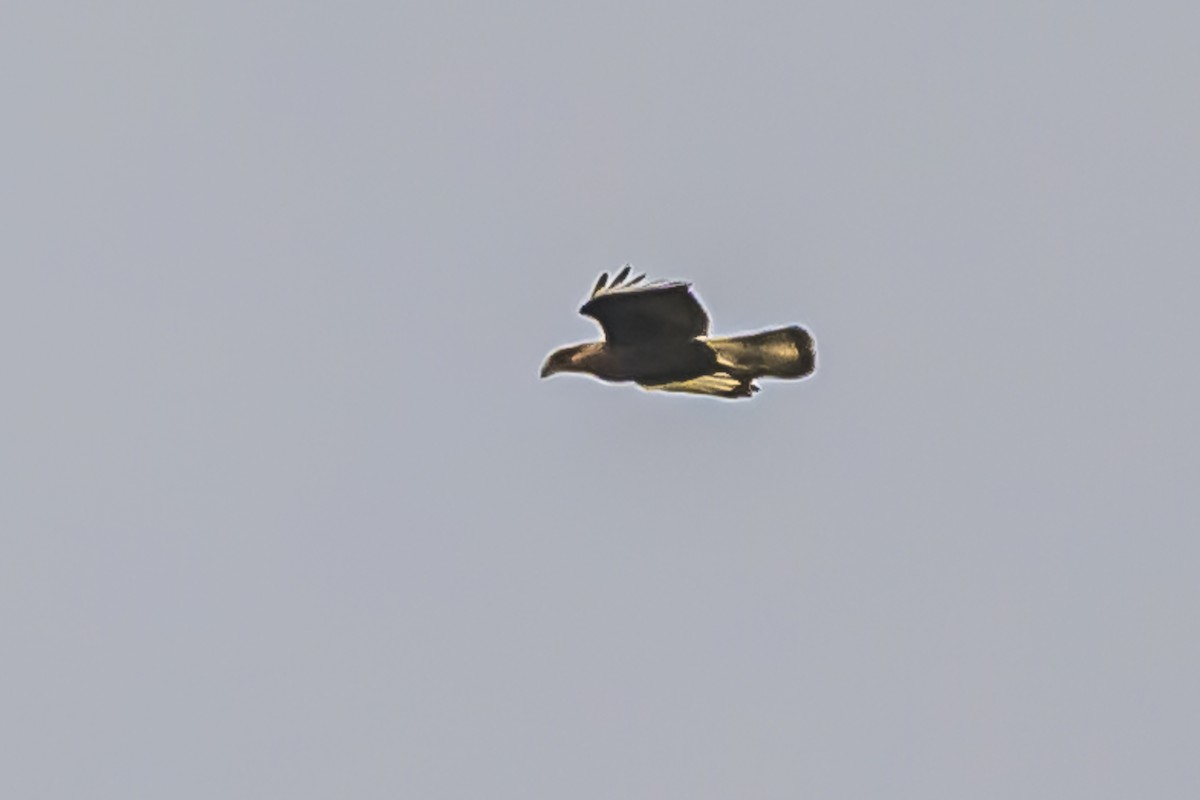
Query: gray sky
<point>288,512</point>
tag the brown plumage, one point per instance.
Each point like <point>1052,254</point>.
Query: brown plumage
<point>656,335</point>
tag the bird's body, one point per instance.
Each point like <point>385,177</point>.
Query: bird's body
<point>656,335</point>
<point>648,364</point>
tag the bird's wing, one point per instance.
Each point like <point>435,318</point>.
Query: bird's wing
<point>636,313</point>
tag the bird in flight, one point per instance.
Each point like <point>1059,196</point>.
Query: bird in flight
<point>656,335</point>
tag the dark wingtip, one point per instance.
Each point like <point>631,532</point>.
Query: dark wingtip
<point>636,280</point>
<point>600,283</point>
<point>622,275</point>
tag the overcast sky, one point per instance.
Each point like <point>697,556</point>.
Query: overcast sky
<point>287,512</point>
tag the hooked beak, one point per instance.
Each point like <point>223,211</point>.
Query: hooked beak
<point>547,370</point>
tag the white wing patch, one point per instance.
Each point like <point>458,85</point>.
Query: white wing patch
<point>718,383</point>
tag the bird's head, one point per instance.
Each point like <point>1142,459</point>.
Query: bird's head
<point>565,359</point>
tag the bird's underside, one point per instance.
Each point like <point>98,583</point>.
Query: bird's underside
<point>656,335</point>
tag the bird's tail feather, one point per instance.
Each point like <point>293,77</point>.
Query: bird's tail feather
<point>779,353</point>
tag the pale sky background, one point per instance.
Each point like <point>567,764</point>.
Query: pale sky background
<point>287,512</point>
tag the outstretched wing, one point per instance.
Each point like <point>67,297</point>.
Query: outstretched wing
<point>637,313</point>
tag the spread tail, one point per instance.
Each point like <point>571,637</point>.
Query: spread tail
<point>780,353</point>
